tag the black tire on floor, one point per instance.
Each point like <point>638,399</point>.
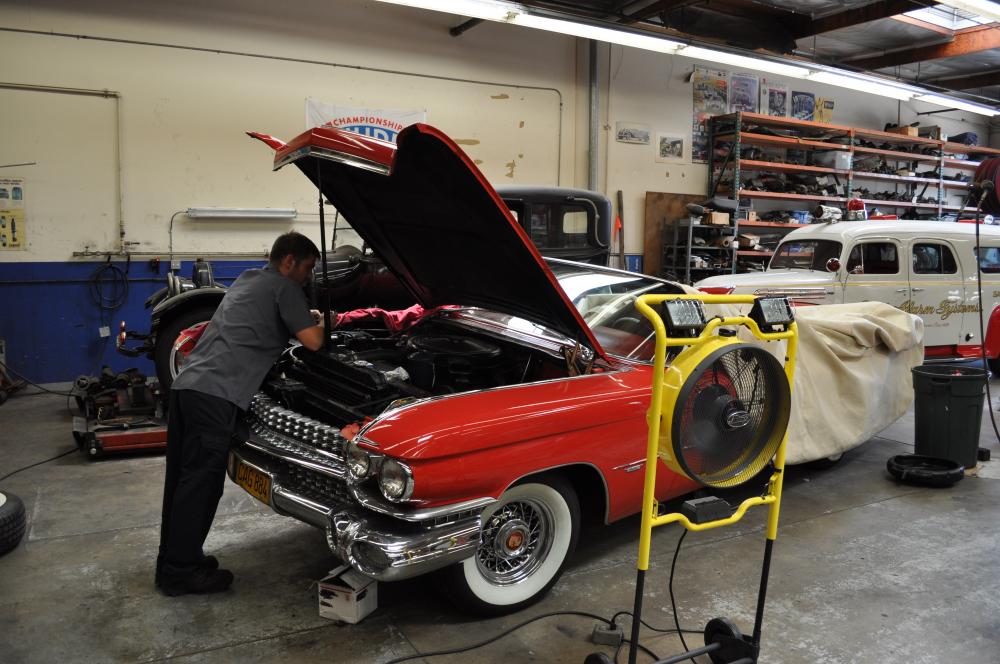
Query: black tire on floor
<point>168,334</point>
<point>12,522</point>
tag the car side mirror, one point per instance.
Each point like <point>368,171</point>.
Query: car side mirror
<point>833,265</point>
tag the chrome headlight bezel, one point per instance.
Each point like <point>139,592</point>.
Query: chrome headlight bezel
<point>402,473</point>
<point>359,461</point>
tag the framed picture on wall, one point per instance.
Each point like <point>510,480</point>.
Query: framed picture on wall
<point>632,132</point>
<point>669,148</point>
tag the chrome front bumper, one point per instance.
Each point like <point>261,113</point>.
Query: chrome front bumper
<point>383,548</point>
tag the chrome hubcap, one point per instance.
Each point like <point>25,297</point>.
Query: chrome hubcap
<point>516,539</point>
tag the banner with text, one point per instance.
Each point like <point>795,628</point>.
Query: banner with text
<point>381,123</point>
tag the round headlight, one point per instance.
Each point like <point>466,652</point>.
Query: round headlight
<point>359,462</point>
<point>396,480</point>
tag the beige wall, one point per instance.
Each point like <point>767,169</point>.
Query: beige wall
<point>183,110</point>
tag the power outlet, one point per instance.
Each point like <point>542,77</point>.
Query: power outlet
<point>104,331</point>
<point>175,264</point>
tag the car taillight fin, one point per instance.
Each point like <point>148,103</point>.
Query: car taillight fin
<point>275,143</point>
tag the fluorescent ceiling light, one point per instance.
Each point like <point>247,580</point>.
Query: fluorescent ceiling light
<point>725,58</point>
<point>240,213</point>
<point>484,9</point>
<point>983,8</point>
<point>950,102</point>
<point>509,12</point>
<point>865,84</point>
<point>584,31</point>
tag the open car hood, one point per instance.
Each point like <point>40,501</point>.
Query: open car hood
<point>434,220</point>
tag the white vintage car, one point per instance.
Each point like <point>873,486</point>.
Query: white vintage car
<point>924,268</point>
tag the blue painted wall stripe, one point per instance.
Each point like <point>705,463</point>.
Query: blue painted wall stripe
<point>50,318</point>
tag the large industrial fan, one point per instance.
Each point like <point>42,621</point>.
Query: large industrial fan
<point>719,415</point>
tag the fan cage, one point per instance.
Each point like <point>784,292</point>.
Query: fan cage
<point>735,377</point>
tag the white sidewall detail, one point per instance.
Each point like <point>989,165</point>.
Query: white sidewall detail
<point>3,499</point>
<point>562,528</point>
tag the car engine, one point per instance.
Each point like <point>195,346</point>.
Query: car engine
<point>362,372</point>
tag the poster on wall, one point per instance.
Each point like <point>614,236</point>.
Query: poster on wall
<point>743,95</point>
<point>710,96</point>
<point>669,148</point>
<point>773,98</point>
<point>823,111</point>
<point>381,123</point>
<point>632,132</point>
<point>803,105</point>
<point>12,226</point>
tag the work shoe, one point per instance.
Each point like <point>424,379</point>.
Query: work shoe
<point>200,581</point>
<point>207,562</point>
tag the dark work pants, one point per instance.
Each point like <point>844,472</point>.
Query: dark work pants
<point>200,428</point>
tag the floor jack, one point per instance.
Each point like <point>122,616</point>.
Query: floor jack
<point>118,413</point>
<point>724,406</point>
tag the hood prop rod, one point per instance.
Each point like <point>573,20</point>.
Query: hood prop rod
<point>322,253</point>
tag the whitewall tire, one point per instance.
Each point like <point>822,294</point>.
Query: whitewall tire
<point>525,543</point>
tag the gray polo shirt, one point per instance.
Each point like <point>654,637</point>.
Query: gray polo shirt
<point>251,327</point>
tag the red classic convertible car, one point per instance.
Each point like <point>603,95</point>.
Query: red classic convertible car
<point>475,440</point>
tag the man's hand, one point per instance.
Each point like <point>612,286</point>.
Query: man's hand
<point>317,316</point>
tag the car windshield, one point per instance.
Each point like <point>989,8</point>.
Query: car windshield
<point>804,254</point>
<point>606,300</point>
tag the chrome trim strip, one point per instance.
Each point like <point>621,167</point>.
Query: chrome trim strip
<point>275,441</point>
<point>803,292</point>
<point>331,155</point>
<point>336,473</point>
<point>631,466</point>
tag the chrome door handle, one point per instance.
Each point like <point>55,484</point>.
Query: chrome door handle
<point>902,290</point>
<point>917,290</point>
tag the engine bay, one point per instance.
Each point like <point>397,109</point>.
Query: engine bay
<point>362,372</point>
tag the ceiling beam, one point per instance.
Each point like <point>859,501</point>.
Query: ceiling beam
<point>909,20</point>
<point>658,7</point>
<point>969,82</point>
<point>845,19</point>
<point>970,40</point>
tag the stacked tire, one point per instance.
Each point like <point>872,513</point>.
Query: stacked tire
<point>12,522</point>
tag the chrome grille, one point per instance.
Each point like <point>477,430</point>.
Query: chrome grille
<point>312,484</point>
<point>266,416</point>
<point>308,454</point>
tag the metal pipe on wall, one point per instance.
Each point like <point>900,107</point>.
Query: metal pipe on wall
<point>594,120</point>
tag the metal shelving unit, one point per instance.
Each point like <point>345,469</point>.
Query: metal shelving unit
<point>729,128</point>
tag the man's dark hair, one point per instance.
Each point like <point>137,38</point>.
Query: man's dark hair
<point>298,245</point>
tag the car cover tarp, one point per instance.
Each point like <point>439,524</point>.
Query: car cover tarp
<point>852,377</point>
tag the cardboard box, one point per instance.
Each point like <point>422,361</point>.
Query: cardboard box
<point>905,131</point>
<point>717,218</point>
<point>347,595</point>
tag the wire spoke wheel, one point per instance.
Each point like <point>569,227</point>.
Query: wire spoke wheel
<point>515,541</point>
<point>525,541</point>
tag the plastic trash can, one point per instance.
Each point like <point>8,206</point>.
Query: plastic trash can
<point>948,411</point>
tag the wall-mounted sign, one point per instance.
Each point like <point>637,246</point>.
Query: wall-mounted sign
<point>12,226</point>
<point>381,123</point>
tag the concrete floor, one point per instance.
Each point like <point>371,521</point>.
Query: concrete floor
<point>865,570</point>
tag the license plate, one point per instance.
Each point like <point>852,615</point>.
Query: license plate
<point>254,482</point>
